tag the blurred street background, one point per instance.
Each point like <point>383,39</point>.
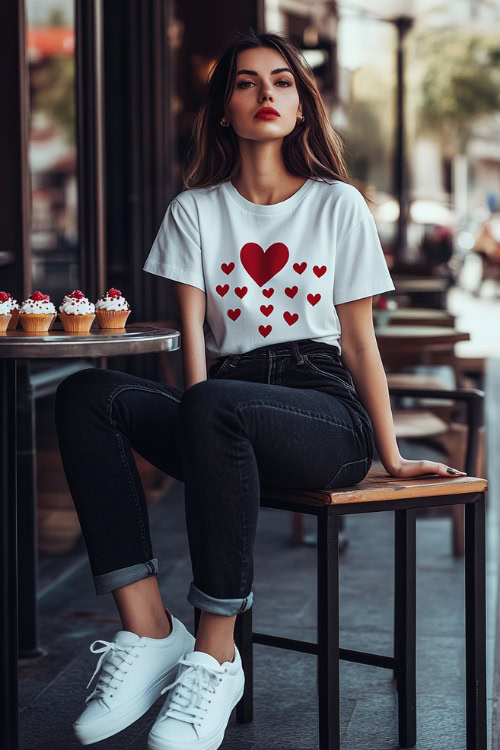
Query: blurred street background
<point>97,113</point>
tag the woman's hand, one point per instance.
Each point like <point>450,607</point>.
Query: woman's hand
<point>406,469</point>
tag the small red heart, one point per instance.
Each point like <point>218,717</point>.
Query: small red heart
<point>291,291</point>
<point>300,267</point>
<point>268,292</point>
<point>222,290</point>
<point>266,310</point>
<point>241,291</point>
<point>319,270</point>
<point>227,267</point>
<point>290,319</point>
<point>234,314</point>
<point>265,330</point>
<point>313,298</point>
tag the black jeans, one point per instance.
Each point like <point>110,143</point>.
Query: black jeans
<point>282,416</point>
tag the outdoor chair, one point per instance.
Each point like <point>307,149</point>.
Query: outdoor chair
<point>380,492</point>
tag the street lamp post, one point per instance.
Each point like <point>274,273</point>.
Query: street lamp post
<point>400,175</point>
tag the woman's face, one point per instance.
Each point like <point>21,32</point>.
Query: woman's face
<point>260,85</point>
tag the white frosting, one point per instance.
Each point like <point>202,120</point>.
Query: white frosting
<point>112,303</point>
<point>75,306</point>
<point>8,306</point>
<point>37,307</point>
<point>5,308</point>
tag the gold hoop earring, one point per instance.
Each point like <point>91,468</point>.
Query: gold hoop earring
<point>301,120</point>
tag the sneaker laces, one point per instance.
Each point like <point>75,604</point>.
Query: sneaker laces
<point>185,702</point>
<point>110,657</point>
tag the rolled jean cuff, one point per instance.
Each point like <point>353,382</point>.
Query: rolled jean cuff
<point>226,607</point>
<point>115,579</point>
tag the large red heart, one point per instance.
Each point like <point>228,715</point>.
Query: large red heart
<point>262,266</point>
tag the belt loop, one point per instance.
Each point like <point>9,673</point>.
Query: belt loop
<point>299,357</point>
<point>235,359</point>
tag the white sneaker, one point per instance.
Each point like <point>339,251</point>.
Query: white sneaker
<point>134,671</point>
<point>197,710</point>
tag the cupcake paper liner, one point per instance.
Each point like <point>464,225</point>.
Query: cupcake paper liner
<point>76,323</point>
<point>112,318</point>
<point>14,320</point>
<point>4,321</point>
<point>37,322</point>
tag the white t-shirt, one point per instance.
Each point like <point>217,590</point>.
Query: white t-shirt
<point>271,273</point>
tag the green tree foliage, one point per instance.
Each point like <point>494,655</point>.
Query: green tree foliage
<point>460,82</point>
<point>53,92</point>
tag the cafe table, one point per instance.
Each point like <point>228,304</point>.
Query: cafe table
<point>16,346</point>
<point>421,316</point>
<point>423,292</point>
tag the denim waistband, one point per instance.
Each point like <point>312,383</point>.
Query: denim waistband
<point>297,349</point>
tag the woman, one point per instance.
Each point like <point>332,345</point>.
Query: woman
<point>273,253</point>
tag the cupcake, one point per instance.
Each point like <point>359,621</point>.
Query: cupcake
<point>112,309</point>
<point>76,312</point>
<point>6,310</point>
<point>37,313</point>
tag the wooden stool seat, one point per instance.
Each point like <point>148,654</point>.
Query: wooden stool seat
<point>380,492</point>
<point>414,380</point>
<point>379,486</point>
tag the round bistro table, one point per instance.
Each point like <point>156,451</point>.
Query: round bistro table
<point>20,345</point>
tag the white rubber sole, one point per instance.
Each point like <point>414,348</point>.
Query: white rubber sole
<point>212,743</point>
<point>125,714</point>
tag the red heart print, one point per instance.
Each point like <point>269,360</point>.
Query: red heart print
<point>262,266</point>
<point>319,270</point>
<point>222,290</point>
<point>291,291</point>
<point>234,314</point>
<point>313,298</point>
<point>268,292</point>
<point>241,291</point>
<point>266,310</point>
<point>300,267</point>
<point>290,319</point>
<point>227,267</point>
<point>265,330</point>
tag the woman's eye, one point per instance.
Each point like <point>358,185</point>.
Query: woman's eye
<point>242,83</point>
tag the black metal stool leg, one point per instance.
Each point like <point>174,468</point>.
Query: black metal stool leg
<point>27,512</point>
<point>8,557</point>
<point>475,624</point>
<point>328,631</point>
<point>405,624</point>
<point>244,642</point>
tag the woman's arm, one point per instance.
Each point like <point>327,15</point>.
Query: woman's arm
<point>361,356</point>
<point>192,307</point>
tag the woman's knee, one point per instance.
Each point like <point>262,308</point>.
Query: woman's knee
<point>204,397</point>
<point>84,385</point>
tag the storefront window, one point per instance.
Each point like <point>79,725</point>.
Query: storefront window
<point>52,147</point>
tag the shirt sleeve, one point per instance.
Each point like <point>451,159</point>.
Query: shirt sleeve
<point>360,266</point>
<point>176,251</point>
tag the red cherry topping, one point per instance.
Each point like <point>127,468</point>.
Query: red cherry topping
<point>4,296</point>
<point>38,296</point>
<point>114,292</point>
<point>77,294</point>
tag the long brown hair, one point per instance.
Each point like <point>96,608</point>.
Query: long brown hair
<point>312,149</point>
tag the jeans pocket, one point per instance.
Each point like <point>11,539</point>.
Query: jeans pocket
<point>350,473</point>
<point>325,365</point>
<point>220,366</point>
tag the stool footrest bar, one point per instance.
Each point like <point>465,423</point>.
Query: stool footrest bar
<point>305,647</point>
